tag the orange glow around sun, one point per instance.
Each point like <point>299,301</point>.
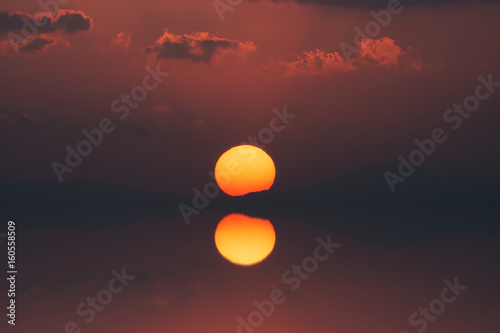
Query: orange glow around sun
<point>244,169</point>
<point>244,240</point>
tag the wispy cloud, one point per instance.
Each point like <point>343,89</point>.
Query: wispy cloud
<point>198,47</point>
<point>372,52</point>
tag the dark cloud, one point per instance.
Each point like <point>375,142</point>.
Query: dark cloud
<point>37,44</point>
<point>69,21</point>
<point>25,33</point>
<point>198,47</point>
<point>380,3</point>
<point>72,21</point>
<point>12,22</point>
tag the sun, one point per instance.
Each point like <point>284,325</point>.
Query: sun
<point>244,240</point>
<point>244,169</point>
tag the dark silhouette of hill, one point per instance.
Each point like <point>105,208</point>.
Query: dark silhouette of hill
<point>361,205</point>
<point>368,188</point>
<point>364,190</point>
<point>81,199</point>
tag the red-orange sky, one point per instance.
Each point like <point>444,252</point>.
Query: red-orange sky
<point>228,81</point>
<point>349,115</point>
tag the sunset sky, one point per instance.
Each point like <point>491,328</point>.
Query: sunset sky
<point>115,113</point>
<point>227,76</point>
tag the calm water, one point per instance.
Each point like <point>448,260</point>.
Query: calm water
<point>378,275</point>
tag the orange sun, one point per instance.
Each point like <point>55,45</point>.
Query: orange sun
<point>244,240</point>
<point>244,169</point>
